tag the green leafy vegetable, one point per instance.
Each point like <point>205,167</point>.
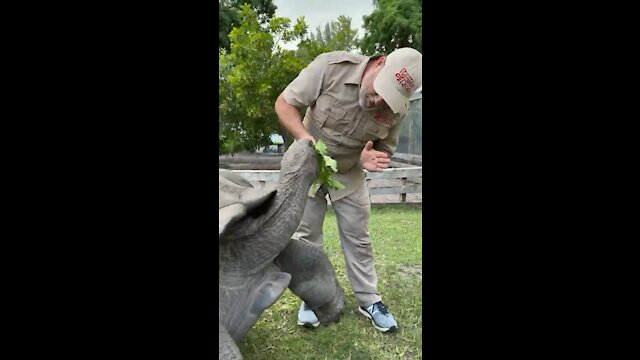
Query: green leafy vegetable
<point>328,167</point>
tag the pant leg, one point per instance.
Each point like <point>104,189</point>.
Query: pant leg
<point>352,214</point>
<point>310,227</point>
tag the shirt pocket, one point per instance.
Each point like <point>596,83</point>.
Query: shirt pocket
<point>332,114</point>
<point>374,131</point>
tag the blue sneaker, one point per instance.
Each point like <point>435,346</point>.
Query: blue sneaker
<point>380,317</point>
<point>306,317</point>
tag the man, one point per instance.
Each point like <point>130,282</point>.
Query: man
<point>355,106</point>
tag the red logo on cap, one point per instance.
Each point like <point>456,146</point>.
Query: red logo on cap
<point>405,79</point>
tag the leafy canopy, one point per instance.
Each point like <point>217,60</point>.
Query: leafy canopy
<point>255,69</point>
<point>338,35</point>
<point>251,76</point>
<point>392,24</point>
<point>228,16</point>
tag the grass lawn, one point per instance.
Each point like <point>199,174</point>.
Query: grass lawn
<point>396,234</point>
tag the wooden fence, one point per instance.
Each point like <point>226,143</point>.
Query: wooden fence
<point>392,181</point>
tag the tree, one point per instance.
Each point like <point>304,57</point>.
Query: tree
<point>343,37</point>
<point>327,33</point>
<point>338,35</point>
<point>256,69</point>
<point>391,25</point>
<point>309,49</point>
<point>251,76</point>
<point>319,35</point>
<point>228,16</point>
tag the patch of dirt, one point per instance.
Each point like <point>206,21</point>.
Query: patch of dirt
<point>409,271</point>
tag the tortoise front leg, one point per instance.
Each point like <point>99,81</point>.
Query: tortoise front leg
<point>227,348</point>
<point>313,279</point>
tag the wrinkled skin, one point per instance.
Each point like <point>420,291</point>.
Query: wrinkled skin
<point>258,258</point>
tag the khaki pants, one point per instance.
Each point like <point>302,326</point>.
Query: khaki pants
<point>352,214</point>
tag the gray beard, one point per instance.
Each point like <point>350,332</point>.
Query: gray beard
<point>365,103</point>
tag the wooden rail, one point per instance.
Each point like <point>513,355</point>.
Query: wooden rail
<point>410,179</point>
<point>269,161</point>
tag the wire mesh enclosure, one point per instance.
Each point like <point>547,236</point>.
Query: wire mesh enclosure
<point>410,141</point>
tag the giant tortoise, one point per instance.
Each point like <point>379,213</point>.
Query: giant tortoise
<point>258,257</point>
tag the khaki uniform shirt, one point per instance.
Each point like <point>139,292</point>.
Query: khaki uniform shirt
<point>330,87</point>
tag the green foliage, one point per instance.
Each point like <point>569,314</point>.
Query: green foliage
<point>254,69</point>
<point>338,35</point>
<point>327,32</point>
<point>228,16</point>
<point>327,167</point>
<point>391,25</point>
<point>309,49</point>
<point>341,37</point>
<point>252,75</point>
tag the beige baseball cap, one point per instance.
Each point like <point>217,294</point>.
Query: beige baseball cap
<point>400,76</point>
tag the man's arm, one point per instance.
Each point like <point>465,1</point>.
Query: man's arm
<point>301,92</point>
<point>289,117</point>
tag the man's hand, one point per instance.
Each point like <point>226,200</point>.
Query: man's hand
<point>308,137</point>
<point>373,160</point>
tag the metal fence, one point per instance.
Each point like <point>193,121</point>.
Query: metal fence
<point>410,140</point>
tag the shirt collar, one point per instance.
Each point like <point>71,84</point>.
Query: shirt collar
<point>356,77</point>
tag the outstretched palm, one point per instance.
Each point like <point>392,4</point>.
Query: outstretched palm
<point>373,160</point>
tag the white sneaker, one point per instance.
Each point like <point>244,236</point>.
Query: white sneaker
<point>306,317</point>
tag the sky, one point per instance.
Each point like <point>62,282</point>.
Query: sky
<point>319,12</point>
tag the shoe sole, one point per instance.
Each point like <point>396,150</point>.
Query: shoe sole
<point>309,325</point>
<point>368,316</point>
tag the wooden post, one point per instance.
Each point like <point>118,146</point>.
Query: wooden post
<point>403,196</point>
<point>410,142</point>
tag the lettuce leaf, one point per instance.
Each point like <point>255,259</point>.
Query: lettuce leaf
<point>327,167</point>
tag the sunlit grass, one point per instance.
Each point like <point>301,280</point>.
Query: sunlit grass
<point>396,233</point>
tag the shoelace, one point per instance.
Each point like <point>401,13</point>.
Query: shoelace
<point>380,307</point>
